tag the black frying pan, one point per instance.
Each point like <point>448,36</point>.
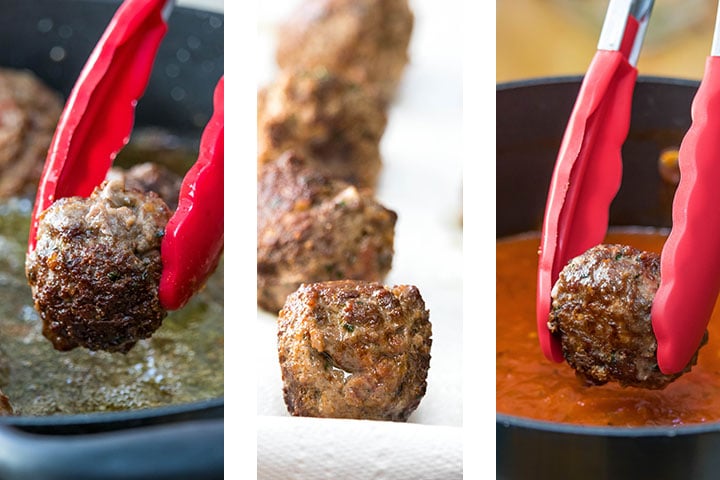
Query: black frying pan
<point>531,119</point>
<point>179,441</point>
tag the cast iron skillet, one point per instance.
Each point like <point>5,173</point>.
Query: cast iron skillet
<point>53,38</point>
<point>531,118</point>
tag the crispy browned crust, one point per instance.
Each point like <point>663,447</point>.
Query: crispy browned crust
<point>312,229</point>
<point>365,41</point>
<point>335,124</point>
<point>350,349</point>
<point>29,112</point>
<point>601,312</point>
<point>96,268</point>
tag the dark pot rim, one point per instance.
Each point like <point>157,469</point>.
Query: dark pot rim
<point>95,421</point>
<point>550,80</point>
<point>507,421</point>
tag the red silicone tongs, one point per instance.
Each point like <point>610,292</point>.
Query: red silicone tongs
<point>588,168</point>
<point>690,262</point>
<point>96,124</point>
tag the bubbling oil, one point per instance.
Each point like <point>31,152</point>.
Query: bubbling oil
<point>182,362</point>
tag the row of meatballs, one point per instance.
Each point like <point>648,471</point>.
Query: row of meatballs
<point>348,346</point>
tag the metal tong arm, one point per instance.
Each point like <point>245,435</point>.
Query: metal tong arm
<point>588,169</point>
<point>194,235</point>
<point>99,113</point>
<point>619,32</point>
<point>690,262</point>
<point>96,124</point>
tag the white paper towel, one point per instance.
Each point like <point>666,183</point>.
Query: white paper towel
<point>421,180</point>
<point>311,448</point>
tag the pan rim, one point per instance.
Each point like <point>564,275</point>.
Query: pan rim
<point>213,406</point>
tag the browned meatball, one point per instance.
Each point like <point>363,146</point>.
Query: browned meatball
<point>96,267</point>
<point>365,41</point>
<point>29,112</point>
<point>150,177</point>
<point>312,228</point>
<point>601,312</point>
<point>337,125</point>
<point>352,349</point>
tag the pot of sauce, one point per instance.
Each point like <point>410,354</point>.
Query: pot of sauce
<point>157,411</point>
<point>548,425</point>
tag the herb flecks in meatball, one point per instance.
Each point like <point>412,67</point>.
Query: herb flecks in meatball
<point>335,124</point>
<point>365,41</point>
<point>601,312</point>
<point>351,349</point>
<point>96,268</point>
<point>312,228</point>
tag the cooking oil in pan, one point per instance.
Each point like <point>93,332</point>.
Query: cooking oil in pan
<point>182,362</point>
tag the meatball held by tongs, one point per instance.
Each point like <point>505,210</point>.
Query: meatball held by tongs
<point>96,267</point>
<point>145,268</point>
<point>586,178</point>
<point>601,313</point>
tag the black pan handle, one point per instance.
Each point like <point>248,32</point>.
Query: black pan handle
<point>171,451</point>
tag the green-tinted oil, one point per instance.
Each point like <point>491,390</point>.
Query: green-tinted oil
<point>182,362</point>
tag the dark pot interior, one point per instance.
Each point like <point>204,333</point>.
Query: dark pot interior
<point>54,38</point>
<point>531,119</point>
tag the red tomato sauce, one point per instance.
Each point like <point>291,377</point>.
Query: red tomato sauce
<point>529,385</point>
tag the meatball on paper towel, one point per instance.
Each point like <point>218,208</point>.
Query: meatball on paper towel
<point>421,181</point>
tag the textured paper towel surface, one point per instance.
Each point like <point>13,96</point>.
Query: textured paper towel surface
<point>305,448</point>
<point>421,180</point>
